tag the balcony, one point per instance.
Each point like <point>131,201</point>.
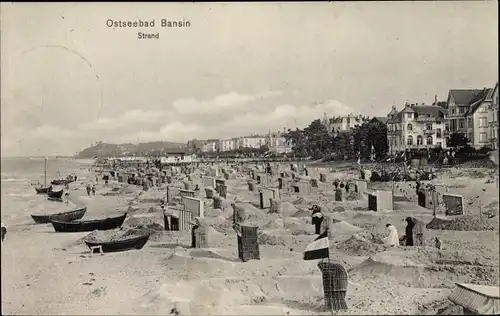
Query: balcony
<point>427,119</point>
<point>429,131</point>
<point>398,132</point>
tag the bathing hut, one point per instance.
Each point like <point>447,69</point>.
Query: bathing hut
<point>477,299</point>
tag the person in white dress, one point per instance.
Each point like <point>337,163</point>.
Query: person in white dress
<point>393,238</point>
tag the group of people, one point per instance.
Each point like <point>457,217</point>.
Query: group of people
<point>337,184</point>
<point>392,238</point>
<point>90,189</point>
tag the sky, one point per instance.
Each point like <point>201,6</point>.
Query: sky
<point>68,80</point>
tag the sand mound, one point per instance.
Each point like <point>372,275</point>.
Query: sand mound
<point>338,209</point>
<point>400,266</point>
<point>463,223</point>
<point>352,196</point>
<point>272,238</point>
<point>247,214</point>
<point>212,212</point>
<point>356,245</point>
<point>300,201</point>
<point>343,227</point>
<point>221,224</point>
<point>223,296</point>
<point>275,224</point>
<point>302,213</point>
<point>288,209</point>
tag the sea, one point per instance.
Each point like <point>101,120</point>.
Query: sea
<point>20,176</point>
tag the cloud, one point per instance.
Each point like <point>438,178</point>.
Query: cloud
<point>222,116</point>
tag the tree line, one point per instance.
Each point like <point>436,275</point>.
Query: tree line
<point>315,141</point>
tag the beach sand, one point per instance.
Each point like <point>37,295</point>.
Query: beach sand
<point>44,272</point>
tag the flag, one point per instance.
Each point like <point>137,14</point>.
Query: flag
<point>359,160</point>
<point>318,249</point>
<point>373,153</point>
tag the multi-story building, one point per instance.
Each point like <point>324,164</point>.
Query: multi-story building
<point>493,119</point>
<point>478,131</point>
<point>209,146</point>
<point>227,144</point>
<point>252,141</point>
<point>277,143</point>
<point>416,127</point>
<point>340,124</point>
<point>470,110</point>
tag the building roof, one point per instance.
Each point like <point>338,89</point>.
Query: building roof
<point>420,110</point>
<point>476,102</point>
<point>464,96</point>
<point>381,119</point>
<point>430,110</point>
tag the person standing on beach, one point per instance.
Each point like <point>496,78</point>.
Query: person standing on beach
<point>93,189</point>
<point>88,189</point>
<point>4,231</point>
<point>392,239</point>
<point>317,218</point>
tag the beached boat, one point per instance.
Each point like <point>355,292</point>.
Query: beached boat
<point>53,199</point>
<point>61,181</point>
<point>43,189</point>
<point>63,216</point>
<point>88,225</point>
<point>55,194</point>
<point>134,242</point>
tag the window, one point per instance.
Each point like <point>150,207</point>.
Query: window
<point>452,110</point>
<point>410,140</point>
<point>429,140</point>
<point>439,144</point>
<point>419,140</point>
<point>462,124</point>
<point>482,122</point>
<point>461,110</point>
<point>483,137</point>
<point>410,127</point>
<point>469,122</point>
<point>438,133</point>
<point>428,126</point>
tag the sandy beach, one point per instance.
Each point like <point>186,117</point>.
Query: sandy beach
<point>44,272</point>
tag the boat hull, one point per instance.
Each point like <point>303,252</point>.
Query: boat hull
<point>89,225</point>
<point>63,216</point>
<point>55,194</point>
<point>61,182</point>
<point>42,190</point>
<point>121,245</point>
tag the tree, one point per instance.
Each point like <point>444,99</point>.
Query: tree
<point>442,104</point>
<point>368,134</point>
<point>342,144</point>
<point>318,138</point>
<point>457,140</point>
<point>263,149</point>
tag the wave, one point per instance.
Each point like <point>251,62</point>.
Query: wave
<point>20,194</point>
<point>14,179</point>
